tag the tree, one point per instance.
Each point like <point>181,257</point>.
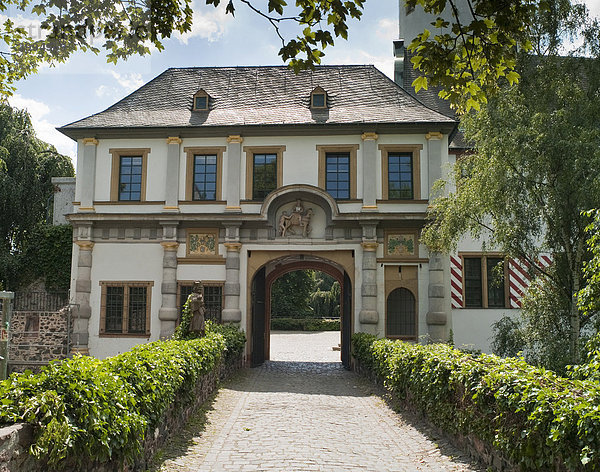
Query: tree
<point>325,299</point>
<point>26,168</point>
<point>475,50</point>
<point>290,295</point>
<point>533,171</point>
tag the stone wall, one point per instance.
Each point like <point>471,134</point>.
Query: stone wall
<point>37,338</point>
<point>15,440</point>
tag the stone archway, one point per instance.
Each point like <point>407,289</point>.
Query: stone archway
<point>270,265</point>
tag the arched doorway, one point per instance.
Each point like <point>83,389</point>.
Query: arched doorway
<point>260,300</point>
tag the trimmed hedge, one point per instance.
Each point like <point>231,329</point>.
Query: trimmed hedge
<point>85,409</point>
<point>534,418</point>
<point>305,324</point>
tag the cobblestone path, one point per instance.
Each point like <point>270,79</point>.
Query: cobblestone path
<point>305,416</point>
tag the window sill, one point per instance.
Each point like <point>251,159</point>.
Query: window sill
<point>123,335</point>
<point>130,202</point>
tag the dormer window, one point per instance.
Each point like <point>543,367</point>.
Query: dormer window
<point>318,99</point>
<point>201,101</point>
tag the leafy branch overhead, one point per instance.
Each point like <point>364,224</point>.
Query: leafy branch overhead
<point>129,27</point>
<point>472,47</point>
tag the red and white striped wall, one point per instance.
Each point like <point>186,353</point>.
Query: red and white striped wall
<point>519,277</point>
<point>456,281</point>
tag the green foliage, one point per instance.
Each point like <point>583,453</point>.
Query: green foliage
<point>472,47</point>
<point>325,299</point>
<point>532,416</point>
<point>290,295</point>
<point>28,165</point>
<point>590,369</point>
<point>589,296</point>
<point>235,339</point>
<point>130,28</point>
<point>305,324</point>
<point>47,255</point>
<point>532,173</point>
<point>91,410</point>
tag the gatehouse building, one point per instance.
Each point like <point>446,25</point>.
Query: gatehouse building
<point>235,176</point>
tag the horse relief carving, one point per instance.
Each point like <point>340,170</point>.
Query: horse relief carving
<point>298,217</point>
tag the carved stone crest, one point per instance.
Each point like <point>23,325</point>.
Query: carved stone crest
<point>298,217</point>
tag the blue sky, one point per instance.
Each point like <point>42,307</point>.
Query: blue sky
<point>86,84</point>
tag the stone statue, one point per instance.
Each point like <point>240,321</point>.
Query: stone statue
<point>299,217</point>
<point>197,309</point>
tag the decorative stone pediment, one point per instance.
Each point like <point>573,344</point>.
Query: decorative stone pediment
<point>300,212</point>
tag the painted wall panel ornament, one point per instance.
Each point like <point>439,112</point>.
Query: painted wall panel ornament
<point>401,244</point>
<point>297,217</point>
<point>202,244</point>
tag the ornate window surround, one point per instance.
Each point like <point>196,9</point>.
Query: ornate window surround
<point>351,149</point>
<point>127,285</point>
<point>250,151</point>
<point>189,171</point>
<point>116,172</point>
<point>415,150</point>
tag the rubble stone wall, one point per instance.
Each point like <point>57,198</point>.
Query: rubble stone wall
<point>37,338</point>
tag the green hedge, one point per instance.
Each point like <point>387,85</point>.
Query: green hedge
<point>305,324</point>
<point>533,417</point>
<point>87,409</point>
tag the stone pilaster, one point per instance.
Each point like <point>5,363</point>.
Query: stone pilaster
<point>172,175</point>
<point>437,317</point>
<point>83,287</point>
<point>234,164</point>
<point>168,313</point>
<point>86,177</point>
<point>368,316</point>
<point>434,158</point>
<point>232,313</point>
<point>369,171</point>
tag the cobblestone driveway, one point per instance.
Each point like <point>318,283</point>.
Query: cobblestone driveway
<point>305,416</point>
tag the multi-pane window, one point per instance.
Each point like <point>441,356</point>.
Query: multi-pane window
<point>205,177</point>
<point>484,283</point>
<point>401,320</point>
<point>130,178</point>
<point>400,176</point>
<point>337,175</point>
<point>125,308</point>
<point>264,176</point>
<point>213,300</point>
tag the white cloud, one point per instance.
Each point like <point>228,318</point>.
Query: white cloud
<point>44,129</point>
<point>384,63</point>
<point>387,29</point>
<point>208,23</point>
<point>129,82</point>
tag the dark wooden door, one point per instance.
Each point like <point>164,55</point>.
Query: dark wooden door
<point>346,321</point>
<point>258,294</point>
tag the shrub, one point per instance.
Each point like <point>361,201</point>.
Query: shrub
<point>532,416</point>
<point>305,324</point>
<point>87,409</point>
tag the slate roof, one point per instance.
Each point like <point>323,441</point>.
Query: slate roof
<point>268,95</point>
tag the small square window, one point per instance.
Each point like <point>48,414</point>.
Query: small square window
<point>318,100</point>
<point>201,103</point>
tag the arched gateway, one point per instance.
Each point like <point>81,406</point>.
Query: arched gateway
<point>301,218</point>
<point>262,279</point>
